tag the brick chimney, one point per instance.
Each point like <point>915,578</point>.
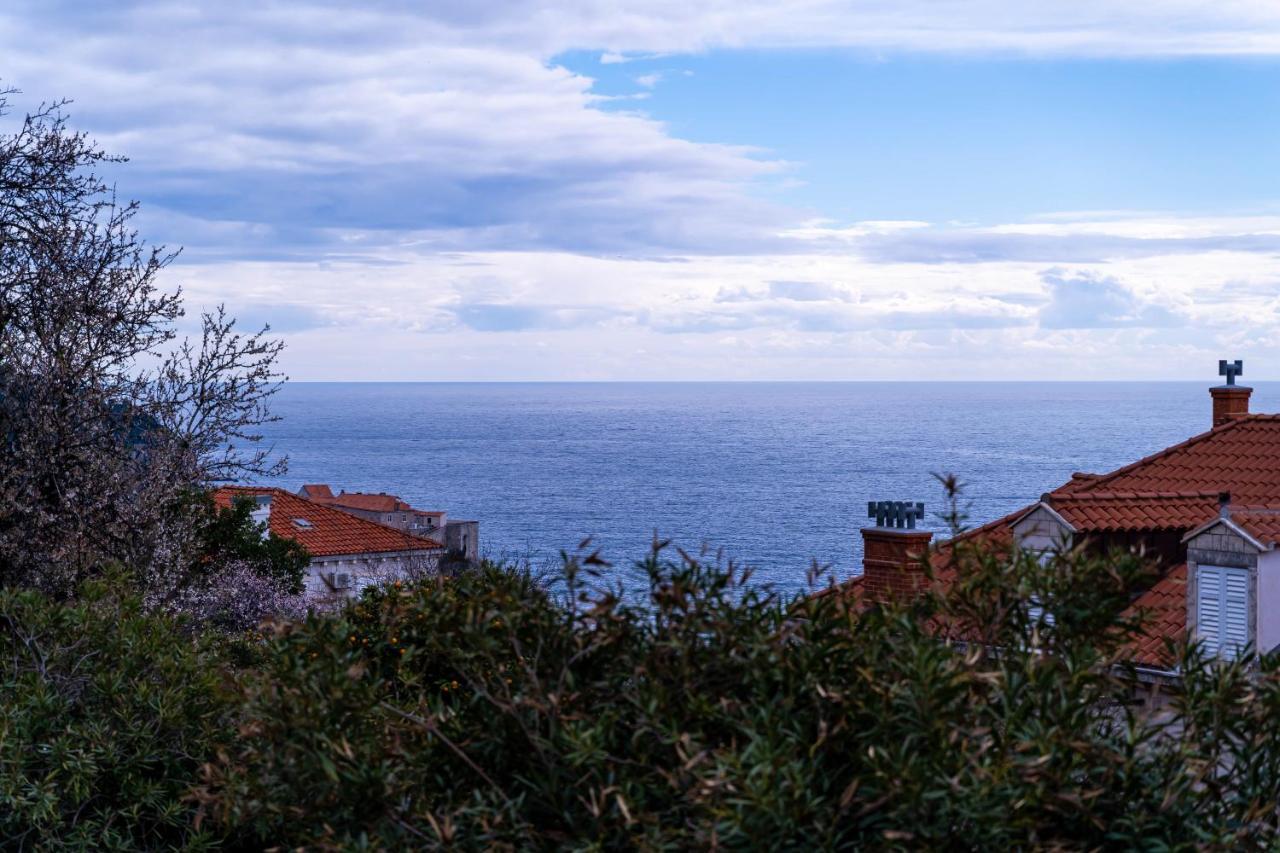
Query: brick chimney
<point>892,550</point>
<point>1230,401</point>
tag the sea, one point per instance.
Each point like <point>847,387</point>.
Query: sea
<point>774,476</point>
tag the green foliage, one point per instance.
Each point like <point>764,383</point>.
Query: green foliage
<point>484,711</point>
<point>230,535</point>
<point>105,717</point>
<point>480,712</point>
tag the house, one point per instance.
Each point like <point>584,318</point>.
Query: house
<point>461,538</point>
<point>348,553</point>
<point>1206,510</point>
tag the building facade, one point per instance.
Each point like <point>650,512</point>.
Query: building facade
<point>348,553</point>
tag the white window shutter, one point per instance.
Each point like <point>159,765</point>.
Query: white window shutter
<point>1222,609</point>
<point>1235,601</point>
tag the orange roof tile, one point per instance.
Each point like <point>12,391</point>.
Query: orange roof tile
<point>1241,456</point>
<point>1102,512</point>
<point>1163,609</point>
<point>327,531</point>
<point>317,491</point>
<point>370,503</point>
<point>1262,523</point>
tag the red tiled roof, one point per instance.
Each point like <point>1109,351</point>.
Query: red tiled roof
<point>370,503</point>
<point>1262,523</point>
<point>328,532</point>
<point>1103,512</point>
<point>1163,609</point>
<point>317,491</point>
<point>1241,456</point>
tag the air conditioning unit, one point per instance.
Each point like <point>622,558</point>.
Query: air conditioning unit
<point>341,580</point>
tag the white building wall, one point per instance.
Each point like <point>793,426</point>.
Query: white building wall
<point>366,570</point>
<point>1267,615</point>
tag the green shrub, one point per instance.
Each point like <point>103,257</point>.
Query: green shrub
<point>106,715</point>
<point>480,712</point>
<point>483,712</point>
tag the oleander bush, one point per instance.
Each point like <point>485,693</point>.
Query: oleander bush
<point>106,714</point>
<point>491,710</point>
<point>482,712</point>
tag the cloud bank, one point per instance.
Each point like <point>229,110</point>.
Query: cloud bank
<point>414,190</point>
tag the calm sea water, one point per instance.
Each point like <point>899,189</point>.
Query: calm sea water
<point>775,475</point>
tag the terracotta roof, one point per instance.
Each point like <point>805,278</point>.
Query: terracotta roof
<point>1262,523</point>
<point>316,491</point>
<point>1163,609</point>
<point>1241,457</point>
<point>370,503</point>
<point>1133,511</point>
<point>326,531</point>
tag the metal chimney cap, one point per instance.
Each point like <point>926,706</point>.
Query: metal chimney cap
<point>1231,369</point>
<point>896,514</point>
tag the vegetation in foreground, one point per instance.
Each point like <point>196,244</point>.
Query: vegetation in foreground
<point>483,711</point>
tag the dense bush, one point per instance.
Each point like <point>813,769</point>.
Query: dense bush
<point>106,714</point>
<point>485,711</point>
<point>480,712</point>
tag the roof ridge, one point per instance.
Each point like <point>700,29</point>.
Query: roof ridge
<point>1067,497</point>
<point>1091,485</point>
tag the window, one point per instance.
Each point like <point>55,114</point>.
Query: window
<point>1036,612</point>
<point>1222,609</point>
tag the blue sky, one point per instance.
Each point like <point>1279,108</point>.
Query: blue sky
<point>985,139</point>
<point>653,189</point>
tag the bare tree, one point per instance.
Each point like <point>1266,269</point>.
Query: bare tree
<point>107,422</point>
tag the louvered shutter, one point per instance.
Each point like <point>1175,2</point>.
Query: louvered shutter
<point>1222,609</point>
<point>1235,610</point>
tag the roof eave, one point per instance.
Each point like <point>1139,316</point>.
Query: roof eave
<point>1045,505</point>
<point>1234,528</point>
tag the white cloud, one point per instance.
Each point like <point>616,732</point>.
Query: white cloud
<point>308,126</point>
<point>1090,300</point>
<point>814,314</point>
<point>421,191</point>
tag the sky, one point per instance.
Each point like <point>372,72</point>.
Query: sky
<point>726,189</point>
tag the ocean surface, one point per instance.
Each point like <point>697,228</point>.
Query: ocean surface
<point>774,475</point>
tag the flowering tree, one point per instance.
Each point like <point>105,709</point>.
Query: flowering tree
<point>108,423</point>
<point>235,599</point>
